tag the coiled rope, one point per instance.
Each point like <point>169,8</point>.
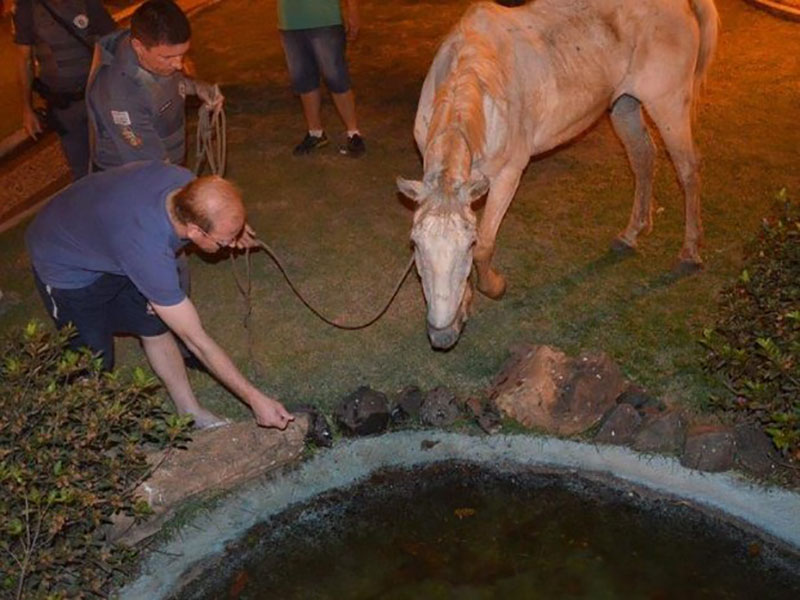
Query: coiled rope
<point>212,141</point>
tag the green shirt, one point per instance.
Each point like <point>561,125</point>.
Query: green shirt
<point>308,14</point>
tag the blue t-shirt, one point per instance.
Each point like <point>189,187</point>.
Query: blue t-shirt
<point>112,222</point>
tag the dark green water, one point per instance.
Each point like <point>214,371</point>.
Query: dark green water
<point>455,531</point>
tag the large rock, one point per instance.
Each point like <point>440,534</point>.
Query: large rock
<point>545,389</point>
<point>216,459</point>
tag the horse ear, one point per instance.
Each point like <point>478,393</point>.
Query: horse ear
<point>411,188</point>
<point>477,187</point>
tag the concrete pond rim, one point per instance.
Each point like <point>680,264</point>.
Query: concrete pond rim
<point>771,513</point>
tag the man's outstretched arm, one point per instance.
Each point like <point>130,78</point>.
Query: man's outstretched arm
<point>183,320</point>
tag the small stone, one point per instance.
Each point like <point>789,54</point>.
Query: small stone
<point>709,448</point>
<point>640,399</point>
<point>754,450</point>
<point>440,408</point>
<point>407,405</point>
<point>662,433</point>
<point>319,430</point>
<point>364,412</point>
<point>619,426</point>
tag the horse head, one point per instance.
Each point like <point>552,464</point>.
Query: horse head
<point>444,235</point>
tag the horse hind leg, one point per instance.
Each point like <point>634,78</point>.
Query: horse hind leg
<point>673,118</point>
<point>628,122</point>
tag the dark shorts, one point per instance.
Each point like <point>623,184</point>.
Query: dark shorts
<point>311,52</point>
<point>109,306</point>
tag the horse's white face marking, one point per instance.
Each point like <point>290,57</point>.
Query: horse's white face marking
<point>443,243</point>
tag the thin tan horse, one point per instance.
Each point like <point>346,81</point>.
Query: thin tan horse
<point>510,83</point>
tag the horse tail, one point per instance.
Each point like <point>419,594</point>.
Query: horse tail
<point>708,19</point>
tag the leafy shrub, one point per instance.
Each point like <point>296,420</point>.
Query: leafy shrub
<point>71,454</point>
<point>755,346</point>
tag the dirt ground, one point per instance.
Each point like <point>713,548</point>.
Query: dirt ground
<point>343,231</point>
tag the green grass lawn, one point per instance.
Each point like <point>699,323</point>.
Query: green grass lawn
<point>343,231</point>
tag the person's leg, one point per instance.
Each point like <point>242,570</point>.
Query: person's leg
<point>87,310</point>
<point>167,363</point>
<point>312,103</point>
<point>132,314</point>
<point>304,75</point>
<point>346,107</point>
<point>329,45</point>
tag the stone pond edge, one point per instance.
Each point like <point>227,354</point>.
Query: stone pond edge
<point>769,509</point>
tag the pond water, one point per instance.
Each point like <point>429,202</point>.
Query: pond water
<point>454,530</point>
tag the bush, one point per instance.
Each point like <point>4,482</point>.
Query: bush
<point>755,346</point>
<point>71,455</point>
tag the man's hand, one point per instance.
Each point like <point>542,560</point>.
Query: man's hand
<point>30,121</point>
<point>352,20</point>
<point>269,412</point>
<point>209,94</point>
<point>247,239</point>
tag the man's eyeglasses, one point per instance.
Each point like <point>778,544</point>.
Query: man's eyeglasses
<point>220,245</point>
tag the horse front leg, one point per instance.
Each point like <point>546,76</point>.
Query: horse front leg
<point>490,282</point>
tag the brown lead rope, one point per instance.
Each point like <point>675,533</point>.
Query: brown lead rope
<point>245,291</point>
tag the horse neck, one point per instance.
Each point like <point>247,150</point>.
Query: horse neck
<point>448,158</point>
<point>457,131</point>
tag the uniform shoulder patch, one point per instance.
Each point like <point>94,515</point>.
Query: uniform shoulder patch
<point>129,136</point>
<point>121,117</point>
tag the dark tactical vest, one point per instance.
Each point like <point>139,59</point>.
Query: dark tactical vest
<point>168,99</point>
<point>63,61</point>
<point>161,97</point>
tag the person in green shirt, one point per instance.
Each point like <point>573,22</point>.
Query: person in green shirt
<point>314,34</point>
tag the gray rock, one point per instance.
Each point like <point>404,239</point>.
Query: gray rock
<point>364,412</point>
<point>755,451</point>
<point>661,433</point>
<point>440,408</point>
<point>640,399</point>
<point>408,405</point>
<point>709,448</point>
<point>319,430</point>
<point>620,425</point>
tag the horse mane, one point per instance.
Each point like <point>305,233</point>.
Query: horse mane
<point>476,72</point>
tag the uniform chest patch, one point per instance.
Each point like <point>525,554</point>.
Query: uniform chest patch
<point>121,117</point>
<point>182,89</point>
<point>129,136</point>
<point>81,21</point>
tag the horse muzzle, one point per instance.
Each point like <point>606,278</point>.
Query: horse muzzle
<point>444,338</point>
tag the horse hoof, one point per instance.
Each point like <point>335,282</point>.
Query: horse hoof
<point>622,248</point>
<point>684,268</point>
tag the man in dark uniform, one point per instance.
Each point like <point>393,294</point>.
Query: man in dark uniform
<point>137,91</point>
<point>103,255</point>
<point>59,35</point>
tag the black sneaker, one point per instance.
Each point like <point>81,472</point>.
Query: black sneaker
<point>310,143</point>
<point>354,147</point>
